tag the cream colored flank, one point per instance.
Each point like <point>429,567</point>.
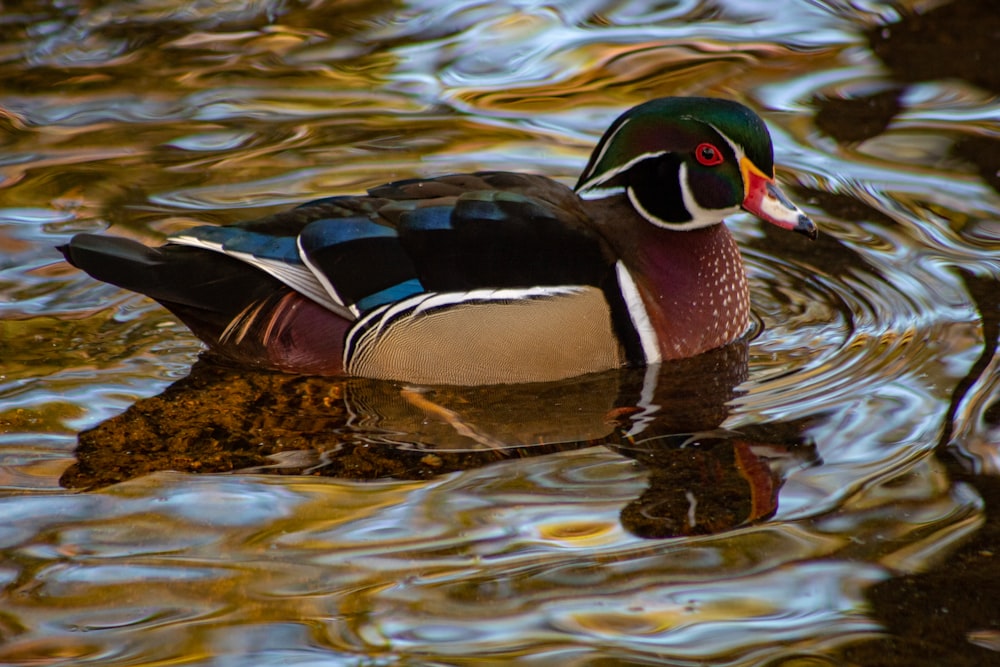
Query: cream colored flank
<point>494,342</point>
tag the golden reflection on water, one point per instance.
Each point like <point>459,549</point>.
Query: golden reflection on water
<point>356,522</point>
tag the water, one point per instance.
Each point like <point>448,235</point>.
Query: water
<point>848,453</point>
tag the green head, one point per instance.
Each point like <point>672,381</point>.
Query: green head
<point>687,162</point>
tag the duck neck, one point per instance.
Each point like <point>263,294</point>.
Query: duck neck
<point>692,284</point>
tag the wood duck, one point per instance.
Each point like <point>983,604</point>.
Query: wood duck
<point>486,278</point>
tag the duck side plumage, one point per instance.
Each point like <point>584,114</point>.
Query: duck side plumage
<point>485,278</point>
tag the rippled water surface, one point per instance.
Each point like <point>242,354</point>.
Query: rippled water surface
<point>836,504</point>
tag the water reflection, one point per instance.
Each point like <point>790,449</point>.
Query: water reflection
<point>440,527</point>
<point>710,482</point>
<point>700,480</point>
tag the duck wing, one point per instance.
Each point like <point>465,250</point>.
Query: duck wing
<point>451,234</point>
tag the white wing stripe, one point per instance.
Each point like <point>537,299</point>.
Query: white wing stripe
<point>324,281</point>
<point>300,279</point>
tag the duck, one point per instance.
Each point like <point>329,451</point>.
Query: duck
<point>491,277</point>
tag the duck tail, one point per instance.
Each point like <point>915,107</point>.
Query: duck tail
<point>120,261</point>
<point>174,275</point>
<point>239,311</point>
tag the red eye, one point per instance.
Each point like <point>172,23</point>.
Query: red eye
<point>708,155</point>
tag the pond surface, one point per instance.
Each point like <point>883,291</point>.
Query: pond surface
<point>824,494</point>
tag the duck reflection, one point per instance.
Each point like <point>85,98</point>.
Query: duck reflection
<point>220,419</point>
<point>710,482</point>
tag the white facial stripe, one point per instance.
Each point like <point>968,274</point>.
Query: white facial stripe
<point>641,210</point>
<point>600,193</point>
<point>607,144</point>
<point>700,217</point>
<point>736,148</point>
<point>588,189</point>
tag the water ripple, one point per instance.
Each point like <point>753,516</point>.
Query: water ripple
<point>149,116</point>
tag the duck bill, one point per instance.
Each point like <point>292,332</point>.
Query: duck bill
<point>764,198</point>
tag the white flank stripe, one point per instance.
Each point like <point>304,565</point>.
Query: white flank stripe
<point>384,315</point>
<point>440,300</point>
<point>637,313</point>
<point>375,321</point>
<point>356,331</point>
<point>372,325</point>
<point>394,310</point>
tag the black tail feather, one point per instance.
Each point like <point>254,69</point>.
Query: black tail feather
<point>205,289</point>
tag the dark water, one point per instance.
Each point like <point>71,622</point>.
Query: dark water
<point>841,510</point>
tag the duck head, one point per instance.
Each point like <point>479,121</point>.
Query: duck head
<point>688,162</point>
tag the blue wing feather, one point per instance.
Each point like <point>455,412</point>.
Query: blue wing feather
<point>333,231</point>
<point>361,262</point>
<point>428,218</point>
<point>490,230</point>
<point>391,294</point>
<point>237,240</point>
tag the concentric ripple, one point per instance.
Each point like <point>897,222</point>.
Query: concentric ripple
<point>521,543</point>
